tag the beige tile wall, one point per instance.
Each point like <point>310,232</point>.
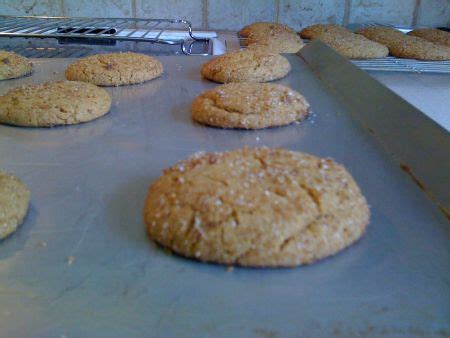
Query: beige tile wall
<point>233,14</point>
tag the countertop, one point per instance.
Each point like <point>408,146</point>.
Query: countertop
<point>430,93</point>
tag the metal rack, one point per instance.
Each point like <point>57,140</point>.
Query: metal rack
<point>394,64</point>
<point>102,30</point>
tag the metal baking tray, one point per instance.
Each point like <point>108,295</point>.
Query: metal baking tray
<point>82,266</point>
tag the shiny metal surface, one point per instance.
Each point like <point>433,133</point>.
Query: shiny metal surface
<point>81,265</point>
<point>97,30</point>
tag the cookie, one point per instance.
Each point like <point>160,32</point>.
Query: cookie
<point>256,65</point>
<point>354,46</point>
<point>276,41</point>
<point>14,201</point>
<point>437,36</point>
<point>258,207</point>
<point>264,27</point>
<point>314,31</point>
<point>412,47</point>
<point>55,103</point>
<point>385,35</point>
<point>405,46</point>
<point>13,65</point>
<point>249,106</point>
<point>115,69</point>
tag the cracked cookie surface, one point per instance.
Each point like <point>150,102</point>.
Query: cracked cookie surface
<point>13,65</point>
<point>258,207</point>
<point>14,201</point>
<point>249,106</point>
<point>257,65</point>
<point>115,69</point>
<point>54,103</point>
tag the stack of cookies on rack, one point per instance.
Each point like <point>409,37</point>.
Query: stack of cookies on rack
<point>345,42</point>
<point>420,44</point>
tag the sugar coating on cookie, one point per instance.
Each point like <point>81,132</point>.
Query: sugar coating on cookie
<point>259,207</point>
<point>433,35</point>
<point>13,65</point>
<point>257,65</point>
<point>53,103</point>
<point>14,201</point>
<point>249,106</point>
<point>115,69</point>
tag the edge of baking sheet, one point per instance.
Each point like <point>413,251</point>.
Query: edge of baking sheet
<point>420,145</point>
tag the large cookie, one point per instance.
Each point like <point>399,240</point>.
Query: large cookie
<point>55,103</point>
<point>354,46</point>
<point>257,65</point>
<point>412,47</point>
<point>256,207</point>
<point>385,35</point>
<point>276,41</point>
<point>14,201</point>
<point>249,106</point>
<point>437,36</point>
<point>115,69</point>
<point>315,31</point>
<point>264,27</point>
<point>13,65</point>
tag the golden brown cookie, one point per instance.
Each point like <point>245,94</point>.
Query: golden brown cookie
<point>258,207</point>
<point>14,201</point>
<point>249,106</point>
<point>354,46</point>
<point>315,31</point>
<point>385,35</point>
<point>405,46</point>
<point>55,103</point>
<point>256,65</point>
<point>412,47</point>
<point>437,36</point>
<point>276,41</point>
<point>13,65</point>
<point>115,69</point>
<point>264,27</point>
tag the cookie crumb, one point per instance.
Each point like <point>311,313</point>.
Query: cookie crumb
<point>70,260</point>
<point>41,244</point>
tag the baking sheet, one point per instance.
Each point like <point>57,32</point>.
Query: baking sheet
<point>81,265</point>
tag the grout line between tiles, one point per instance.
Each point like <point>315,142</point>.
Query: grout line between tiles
<point>62,8</point>
<point>133,9</point>
<point>277,10</point>
<point>416,13</point>
<point>205,14</point>
<point>347,8</point>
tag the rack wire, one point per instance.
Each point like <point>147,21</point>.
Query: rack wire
<point>164,31</point>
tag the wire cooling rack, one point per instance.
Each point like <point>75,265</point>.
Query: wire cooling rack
<point>164,31</point>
